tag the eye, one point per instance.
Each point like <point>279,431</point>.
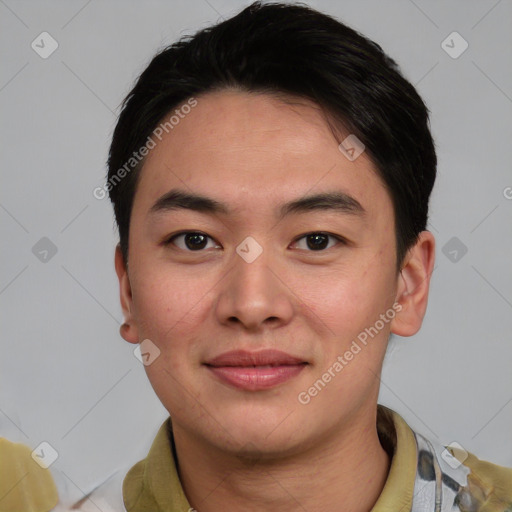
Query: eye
<point>190,241</point>
<point>318,241</point>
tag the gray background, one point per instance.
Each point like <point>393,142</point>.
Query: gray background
<point>66,375</point>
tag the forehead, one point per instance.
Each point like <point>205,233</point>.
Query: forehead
<point>256,150</point>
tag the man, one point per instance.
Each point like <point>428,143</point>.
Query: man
<point>270,178</point>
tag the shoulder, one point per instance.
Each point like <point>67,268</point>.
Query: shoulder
<point>461,479</point>
<point>488,486</point>
<point>441,478</point>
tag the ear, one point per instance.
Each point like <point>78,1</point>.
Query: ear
<point>129,329</point>
<point>413,286</point>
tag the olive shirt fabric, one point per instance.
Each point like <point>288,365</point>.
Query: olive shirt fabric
<point>422,477</point>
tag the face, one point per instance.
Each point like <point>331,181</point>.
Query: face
<point>250,302</point>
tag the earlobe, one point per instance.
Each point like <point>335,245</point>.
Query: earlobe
<point>413,286</point>
<point>128,333</point>
<point>128,330</point>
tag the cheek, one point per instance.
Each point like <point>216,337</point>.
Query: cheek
<point>344,308</point>
<point>168,304</point>
<point>343,300</point>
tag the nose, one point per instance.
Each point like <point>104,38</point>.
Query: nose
<point>254,295</point>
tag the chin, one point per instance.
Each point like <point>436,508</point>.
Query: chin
<point>255,446</point>
<point>259,436</point>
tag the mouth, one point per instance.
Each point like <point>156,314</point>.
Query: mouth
<point>255,371</point>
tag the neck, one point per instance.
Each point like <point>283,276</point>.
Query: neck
<point>348,466</point>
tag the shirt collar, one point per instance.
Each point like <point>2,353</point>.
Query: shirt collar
<point>153,484</point>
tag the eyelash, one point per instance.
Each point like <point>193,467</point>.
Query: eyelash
<point>171,239</point>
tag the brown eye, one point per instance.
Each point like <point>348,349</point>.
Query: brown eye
<point>190,241</point>
<point>318,241</point>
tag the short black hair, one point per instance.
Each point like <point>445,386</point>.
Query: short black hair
<point>294,50</point>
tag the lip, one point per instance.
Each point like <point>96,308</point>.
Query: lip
<point>253,371</point>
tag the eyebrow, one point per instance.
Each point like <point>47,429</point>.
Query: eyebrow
<point>326,201</point>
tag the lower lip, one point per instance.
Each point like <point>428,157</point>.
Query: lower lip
<point>256,378</point>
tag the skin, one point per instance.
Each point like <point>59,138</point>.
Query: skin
<point>260,450</point>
